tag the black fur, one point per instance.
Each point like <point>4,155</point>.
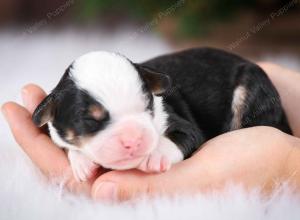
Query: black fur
<point>199,101</point>
<point>70,110</point>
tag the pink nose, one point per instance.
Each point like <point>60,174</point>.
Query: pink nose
<point>131,139</point>
<point>131,144</point>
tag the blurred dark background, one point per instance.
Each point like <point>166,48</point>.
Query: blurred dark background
<point>40,38</point>
<point>183,23</point>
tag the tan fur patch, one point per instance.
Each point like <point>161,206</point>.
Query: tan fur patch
<point>70,135</point>
<point>78,141</point>
<point>237,106</point>
<point>72,138</point>
<point>81,141</point>
<point>96,112</point>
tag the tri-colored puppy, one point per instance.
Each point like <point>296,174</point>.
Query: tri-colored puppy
<point>108,111</point>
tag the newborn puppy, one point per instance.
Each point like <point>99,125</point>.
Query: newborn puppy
<point>108,111</point>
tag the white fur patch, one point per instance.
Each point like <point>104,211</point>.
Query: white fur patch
<point>170,150</point>
<point>112,80</point>
<point>82,166</point>
<point>160,115</point>
<point>237,106</point>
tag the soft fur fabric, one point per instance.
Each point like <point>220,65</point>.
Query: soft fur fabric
<point>23,193</point>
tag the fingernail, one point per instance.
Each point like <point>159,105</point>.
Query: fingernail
<point>106,191</point>
<point>24,94</point>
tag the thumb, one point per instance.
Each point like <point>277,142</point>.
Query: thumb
<point>124,185</point>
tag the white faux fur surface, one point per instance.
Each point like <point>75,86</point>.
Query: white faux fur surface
<point>42,58</point>
<point>25,196</point>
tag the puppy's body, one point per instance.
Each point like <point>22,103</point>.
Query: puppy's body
<point>109,111</point>
<point>214,92</point>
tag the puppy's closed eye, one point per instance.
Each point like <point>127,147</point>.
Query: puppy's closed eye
<point>94,118</point>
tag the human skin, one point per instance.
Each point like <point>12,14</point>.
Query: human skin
<point>257,157</point>
<point>287,83</point>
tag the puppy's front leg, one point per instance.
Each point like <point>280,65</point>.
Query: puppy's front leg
<point>83,168</point>
<point>161,159</point>
<point>188,139</point>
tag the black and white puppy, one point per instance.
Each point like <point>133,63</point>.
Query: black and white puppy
<point>109,111</point>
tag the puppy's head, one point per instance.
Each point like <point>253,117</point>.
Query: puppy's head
<point>106,107</point>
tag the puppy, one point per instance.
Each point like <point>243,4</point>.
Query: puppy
<point>110,112</point>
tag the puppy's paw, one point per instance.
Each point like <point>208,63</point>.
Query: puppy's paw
<point>155,162</point>
<point>162,158</point>
<point>83,168</point>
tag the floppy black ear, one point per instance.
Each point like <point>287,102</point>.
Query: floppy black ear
<point>156,81</point>
<point>44,112</point>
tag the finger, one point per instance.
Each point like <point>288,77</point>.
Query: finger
<point>42,151</point>
<point>32,95</point>
<point>124,185</point>
<point>37,145</point>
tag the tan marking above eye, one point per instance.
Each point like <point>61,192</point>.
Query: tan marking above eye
<point>96,112</point>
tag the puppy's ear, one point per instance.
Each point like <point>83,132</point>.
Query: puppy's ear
<point>157,82</point>
<point>44,112</point>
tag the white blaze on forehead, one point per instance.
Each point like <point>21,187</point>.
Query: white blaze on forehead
<point>112,80</point>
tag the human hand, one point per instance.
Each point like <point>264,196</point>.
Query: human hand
<point>258,157</point>
<point>287,83</point>
<point>253,157</point>
<point>51,159</point>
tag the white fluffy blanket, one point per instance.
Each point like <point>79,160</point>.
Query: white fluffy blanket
<point>41,58</point>
<point>24,195</point>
